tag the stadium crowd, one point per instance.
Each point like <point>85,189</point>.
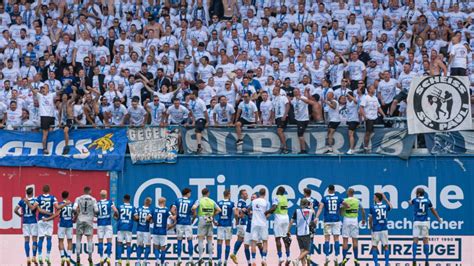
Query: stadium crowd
<point>78,63</point>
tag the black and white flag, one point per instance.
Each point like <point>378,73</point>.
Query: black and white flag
<point>439,104</point>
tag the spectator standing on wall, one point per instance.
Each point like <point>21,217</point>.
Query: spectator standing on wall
<point>369,110</point>
<point>46,112</point>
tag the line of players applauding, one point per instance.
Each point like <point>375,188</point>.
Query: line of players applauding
<point>154,224</point>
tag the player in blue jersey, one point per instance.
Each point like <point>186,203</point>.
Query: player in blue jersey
<point>313,204</point>
<point>143,217</point>
<point>65,213</point>
<point>378,223</point>
<point>241,222</point>
<point>106,209</point>
<point>28,209</point>
<point>162,222</point>
<point>124,218</point>
<point>331,205</point>
<point>182,209</point>
<point>421,225</point>
<point>48,204</point>
<point>224,226</point>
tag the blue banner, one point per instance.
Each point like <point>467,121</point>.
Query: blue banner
<point>448,181</point>
<point>390,141</point>
<point>90,149</point>
<point>459,142</point>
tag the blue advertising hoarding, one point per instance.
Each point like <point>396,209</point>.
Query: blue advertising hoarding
<point>448,181</point>
<point>91,149</point>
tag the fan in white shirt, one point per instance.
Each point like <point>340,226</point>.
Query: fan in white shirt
<point>386,91</point>
<point>246,115</point>
<point>136,114</point>
<point>369,110</point>
<point>265,110</point>
<point>223,113</point>
<point>300,105</point>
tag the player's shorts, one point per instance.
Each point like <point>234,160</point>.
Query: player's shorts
<point>143,238</point>
<point>259,233</point>
<point>204,227</point>
<point>380,237</point>
<point>224,232</point>
<point>124,236</point>
<point>159,240</point>
<point>84,228</point>
<point>184,231</point>
<point>350,229</point>
<point>45,228</point>
<point>421,229</point>
<point>104,231</point>
<point>304,242</point>
<point>332,229</point>
<point>64,232</point>
<point>280,228</point>
<point>241,230</point>
<point>247,238</point>
<point>30,229</point>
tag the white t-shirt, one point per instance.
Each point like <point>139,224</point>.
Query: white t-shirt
<point>405,79</point>
<point>14,117</point>
<point>198,107</point>
<point>248,111</point>
<point>352,111</point>
<point>355,69</point>
<point>83,48</point>
<point>46,104</point>
<point>333,114</point>
<point>388,90</point>
<point>117,113</point>
<point>279,105</point>
<point>206,94</point>
<point>137,115</point>
<point>157,112</point>
<point>259,207</point>
<point>371,105</point>
<point>266,108</point>
<point>301,109</point>
<point>177,115</point>
<point>223,113</point>
<point>460,56</point>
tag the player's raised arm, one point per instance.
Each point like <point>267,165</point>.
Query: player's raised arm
<point>387,201</point>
